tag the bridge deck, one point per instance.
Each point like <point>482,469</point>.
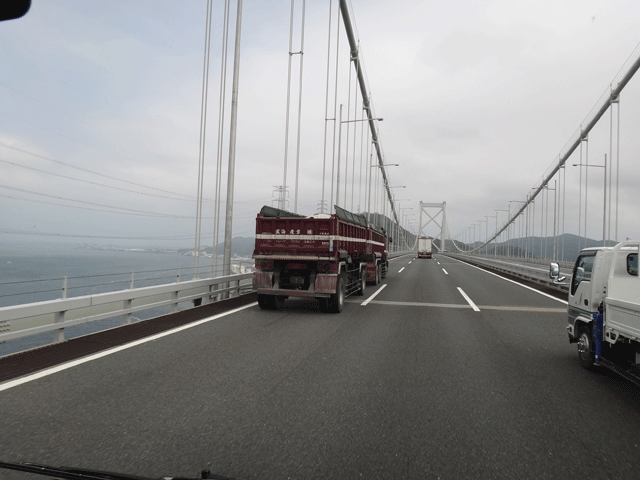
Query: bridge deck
<point>417,383</point>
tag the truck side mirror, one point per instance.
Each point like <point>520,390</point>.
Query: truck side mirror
<point>554,273</point>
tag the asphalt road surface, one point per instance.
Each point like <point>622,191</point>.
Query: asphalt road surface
<point>448,372</point>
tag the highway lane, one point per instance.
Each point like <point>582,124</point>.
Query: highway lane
<point>416,384</point>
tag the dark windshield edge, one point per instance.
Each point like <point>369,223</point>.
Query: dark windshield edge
<point>72,473</point>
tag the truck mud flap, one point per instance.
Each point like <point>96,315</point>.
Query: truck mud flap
<point>262,280</point>
<point>326,283</point>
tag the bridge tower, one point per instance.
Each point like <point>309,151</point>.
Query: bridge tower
<point>433,210</point>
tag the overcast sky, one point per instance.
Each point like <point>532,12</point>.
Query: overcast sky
<point>100,103</point>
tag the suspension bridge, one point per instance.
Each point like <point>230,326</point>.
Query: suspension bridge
<point>454,367</point>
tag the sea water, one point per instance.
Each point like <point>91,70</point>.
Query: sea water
<point>35,273</point>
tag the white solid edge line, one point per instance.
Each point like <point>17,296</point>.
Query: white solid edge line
<point>401,270</point>
<point>445,272</point>
<point>373,296</point>
<point>513,281</point>
<point>401,256</point>
<point>95,356</point>
<point>466,297</point>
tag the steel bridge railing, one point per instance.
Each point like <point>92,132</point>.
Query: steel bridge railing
<point>19,321</point>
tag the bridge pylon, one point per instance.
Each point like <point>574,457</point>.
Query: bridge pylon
<point>428,209</point>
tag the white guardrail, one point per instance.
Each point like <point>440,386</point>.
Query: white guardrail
<point>533,272</point>
<point>19,321</point>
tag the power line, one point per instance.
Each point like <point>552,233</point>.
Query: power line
<point>59,162</point>
<point>103,237</point>
<point>125,211</point>
<point>93,183</point>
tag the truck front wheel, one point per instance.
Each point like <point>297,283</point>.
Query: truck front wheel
<point>585,349</point>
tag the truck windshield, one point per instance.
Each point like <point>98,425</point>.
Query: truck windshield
<point>582,271</point>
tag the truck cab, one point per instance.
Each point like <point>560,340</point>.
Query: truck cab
<point>604,308</point>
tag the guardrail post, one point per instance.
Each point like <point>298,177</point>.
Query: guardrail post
<point>174,306</point>
<point>58,335</point>
<point>174,295</point>
<point>127,305</point>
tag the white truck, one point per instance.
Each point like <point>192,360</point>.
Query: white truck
<point>424,247</point>
<point>604,307</point>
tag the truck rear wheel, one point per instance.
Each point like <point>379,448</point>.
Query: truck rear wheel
<point>336,302</point>
<point>276,302</point>
<point>270,302</point>
<point>263,301</point>
<point>586,349</point>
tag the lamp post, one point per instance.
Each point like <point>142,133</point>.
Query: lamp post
<point>518,201</point>
<point>480,233</point>
<point>378,166</point>
<point>546,221</point>
<point>402,223</point>
<point>604,213</point>
<point>474,233</point>
<point>487,217</point>
<point>502,210</point>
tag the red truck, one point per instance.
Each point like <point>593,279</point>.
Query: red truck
<point>326,257</point>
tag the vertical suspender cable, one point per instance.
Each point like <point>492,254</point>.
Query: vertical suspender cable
<point>203,125</point>
<point>580,196</point>
<point>286,128</point>
<point>564,198</point>
<point>221,109</point>
<point>346,149</point>
<point>326,111</point>
<point>228,224</point>
<point>610,165</point>
<point>617,166</point>
<point>586,189</point>
<point>361,154</point>
<point>367,174</point>
<point>355,133</point>
<point>335,113</point>
<point>295,201</point>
